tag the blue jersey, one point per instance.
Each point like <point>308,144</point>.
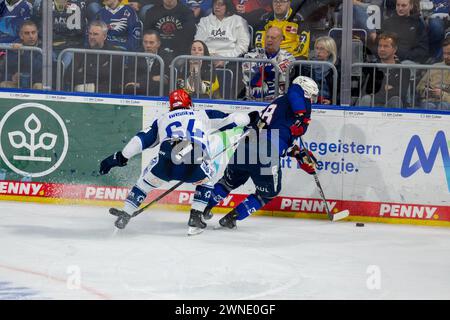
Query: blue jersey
<point>124,27</point>
<point>204,5</point>
<point>11,18</point>
<point>441,7</point>
<point>283,112</point>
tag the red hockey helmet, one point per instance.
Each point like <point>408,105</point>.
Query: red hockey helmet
<point>179,99</point>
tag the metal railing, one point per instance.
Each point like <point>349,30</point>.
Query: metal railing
<point>406,88</point>
<point>404,78</point>
<point>324,65</point>
<point>180,67</point>
<point>124,64</point>
<point>25,78</point>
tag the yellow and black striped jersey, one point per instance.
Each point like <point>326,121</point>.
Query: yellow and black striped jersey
<point>295,33</point>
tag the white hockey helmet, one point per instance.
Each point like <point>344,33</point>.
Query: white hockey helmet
<point>309,86</point>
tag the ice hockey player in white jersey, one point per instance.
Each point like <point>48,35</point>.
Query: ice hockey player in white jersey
<point>184,152</point>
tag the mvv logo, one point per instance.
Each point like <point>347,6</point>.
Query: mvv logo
<point>426,162</point>
<point>32,126</point>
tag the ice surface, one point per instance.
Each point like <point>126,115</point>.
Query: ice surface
<point>69,252</point>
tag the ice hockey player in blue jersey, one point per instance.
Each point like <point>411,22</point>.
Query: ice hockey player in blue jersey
<point>12,14</point>
<point>281,123</point>
<point>184,150</point>
<point>124,27</point>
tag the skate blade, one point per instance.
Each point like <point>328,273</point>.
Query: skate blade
<point>192,231</point>
<point>341,215</point>
<point>219,227</point>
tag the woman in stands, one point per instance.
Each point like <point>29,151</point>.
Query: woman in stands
<point>324,50</point>
<point>198,77</point>
<point>225,33</point>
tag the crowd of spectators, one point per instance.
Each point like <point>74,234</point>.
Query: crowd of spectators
<point>397,32</point>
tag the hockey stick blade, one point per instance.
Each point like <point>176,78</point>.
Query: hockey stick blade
<point>332,217</point>
<point>340,215</point>
<point>122,218</point>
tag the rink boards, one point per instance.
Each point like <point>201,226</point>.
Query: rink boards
<point>381,164</point>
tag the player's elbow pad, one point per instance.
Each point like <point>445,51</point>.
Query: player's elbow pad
<point>133,147</point>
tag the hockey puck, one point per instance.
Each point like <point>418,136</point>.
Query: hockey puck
<point>360,224</point>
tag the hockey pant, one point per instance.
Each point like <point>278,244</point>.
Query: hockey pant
<point>161,170</point>
<point>267,187</point>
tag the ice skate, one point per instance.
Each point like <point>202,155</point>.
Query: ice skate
<point>228,221</point>
<point>196,223</point>
<point>207,214</point>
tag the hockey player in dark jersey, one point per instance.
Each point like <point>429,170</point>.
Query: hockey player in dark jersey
<point>124,27</point>
<point>184,150</point>
<point>281,123</point>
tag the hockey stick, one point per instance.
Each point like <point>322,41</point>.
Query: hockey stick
<point>332,217</point>
<point>124,218</point>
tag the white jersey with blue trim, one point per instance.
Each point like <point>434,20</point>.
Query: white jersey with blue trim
<point>181,124</point>
<point>184,124</point>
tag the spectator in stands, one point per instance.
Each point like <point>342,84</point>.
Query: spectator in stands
<point>259,78</point>
<point>124,27</point>
<point>390,7</point>
<point>324,50</point>
<point>200,8</point>
<point>296,36</point>
<point>224,32</point>
<point>94,72</point>
<point>385,86</point>
<point>12,15</point>
<point>252,10</point>
<point>27,73</point>
<point>144,78</point>
<point>69,22</point>
<point>434,87</point>
<point>200,78</point>
<point>94,6</point>
<point>69,26</point>
<point>411,32</point>
<point>361,18</point>
<point>437,14</point>
<point>175,24</point>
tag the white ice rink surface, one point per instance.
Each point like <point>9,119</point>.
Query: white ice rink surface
<point>69,252</point>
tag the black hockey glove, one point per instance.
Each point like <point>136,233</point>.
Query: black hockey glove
<point>115,160</point>
<point>256,122</point>
<point>254,119</point>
